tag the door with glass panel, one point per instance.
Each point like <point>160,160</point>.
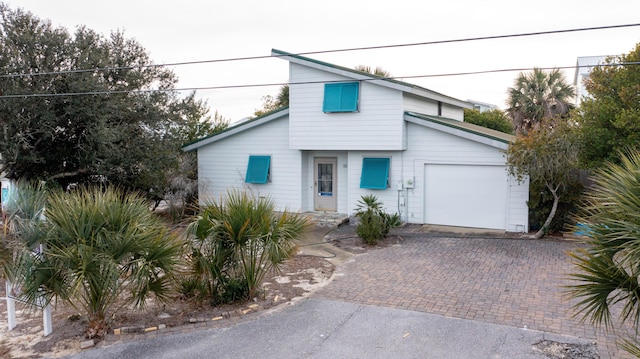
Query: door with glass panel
<point>325,184</point>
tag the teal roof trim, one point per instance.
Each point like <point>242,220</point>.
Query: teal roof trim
<point>467,127</point>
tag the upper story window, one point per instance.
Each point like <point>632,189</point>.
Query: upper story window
<point>258,169</point>
<point>341,97</point>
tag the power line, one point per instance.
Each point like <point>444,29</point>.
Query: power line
<point>198,62</point>
<point>205,88</point>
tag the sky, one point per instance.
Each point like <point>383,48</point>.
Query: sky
<point>189,30</point>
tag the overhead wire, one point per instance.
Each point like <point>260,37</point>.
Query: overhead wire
<point>220,87</point>
<point>204,88</point>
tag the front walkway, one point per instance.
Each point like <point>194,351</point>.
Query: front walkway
<point>515,282</point>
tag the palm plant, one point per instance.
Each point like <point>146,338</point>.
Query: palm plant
<point>22,230</point>
<point>103,250</point>
<point>609,269</point>
<point>538,95</point>
<point>375,223</point>
<point>239,239</point>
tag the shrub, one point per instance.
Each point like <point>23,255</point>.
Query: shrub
<point>237,240</point>
<point>101,246</point>
<point>374,224</point>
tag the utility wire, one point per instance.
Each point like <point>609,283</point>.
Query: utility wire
<point>375,78</point>
<point>197,62</point>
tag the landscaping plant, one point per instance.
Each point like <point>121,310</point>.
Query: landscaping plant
<point>375,223</point>
<point>608,270</point>
<point>102,249</point>
<point>236,241</point>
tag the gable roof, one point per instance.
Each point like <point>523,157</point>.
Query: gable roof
<point>243,126</point>
<point>462,129</point>
<point>365,76</point>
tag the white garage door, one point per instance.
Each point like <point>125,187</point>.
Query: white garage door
<point>466,195</point>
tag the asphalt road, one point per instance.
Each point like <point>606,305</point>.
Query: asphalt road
<point>322,328</point>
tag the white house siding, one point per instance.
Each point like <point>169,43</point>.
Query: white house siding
<point>389,196</point>
<point>424,106</point>
<point>222,165</point>
<point>380,108</point>
<point>429,146</point>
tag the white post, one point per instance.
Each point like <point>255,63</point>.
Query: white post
<point>47,324</point>
<point>11,307</point>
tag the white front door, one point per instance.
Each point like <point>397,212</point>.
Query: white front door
<point>325,184</point>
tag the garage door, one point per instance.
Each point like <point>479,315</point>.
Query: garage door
<point>466,195</point>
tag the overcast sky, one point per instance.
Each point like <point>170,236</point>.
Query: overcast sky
<point>188,30</point>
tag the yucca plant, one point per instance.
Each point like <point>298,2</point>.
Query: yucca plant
<point>239,239</point>
<point>375,223</point>
<point>103,250</point>
<point>608,270</point>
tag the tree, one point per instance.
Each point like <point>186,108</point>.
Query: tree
<point>378,71</point>
<point>271,104</point>
<point>113,123</point>
<point>494,119</point>
<point>610,116</point>
<point>536,96</point>
<point>100,247</point>
<point>607,271</point>
<point>548,154</point>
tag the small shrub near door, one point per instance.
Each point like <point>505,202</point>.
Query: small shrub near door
<point>374,224</point>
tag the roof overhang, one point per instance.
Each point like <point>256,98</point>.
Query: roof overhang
<point>466,130</point>
<point>241,127</point>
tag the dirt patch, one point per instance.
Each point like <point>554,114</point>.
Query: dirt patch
<point>345,237</point>
<point>299,276</point>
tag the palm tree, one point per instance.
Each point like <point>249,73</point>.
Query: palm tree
<point>378,71</point>
<point>102,249</point>
<point>239,239</point>
<point>608,270</point>
<point>538,95</point>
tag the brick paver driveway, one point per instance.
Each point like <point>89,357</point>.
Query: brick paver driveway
<point>516,282</point>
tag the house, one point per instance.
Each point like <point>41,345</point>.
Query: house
<point>347,134</point>
<point>584,65</point>
<point>482,106</point>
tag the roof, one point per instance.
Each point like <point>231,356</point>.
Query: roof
<point>463,129</point>
<point>365,76</point>
<point>240,127</point>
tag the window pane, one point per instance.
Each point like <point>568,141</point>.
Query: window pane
<point>325,179</point>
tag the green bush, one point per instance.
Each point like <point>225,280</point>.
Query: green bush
<point>100,246</point>
<point>374,224</point>
<point>540,201</point>
<point>236,241</point>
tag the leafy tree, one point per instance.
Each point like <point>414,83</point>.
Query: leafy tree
<point>100,246</point>
<point>271,104</point>
<point>607,271</point>
<point>536,96</point>
<point>548,154</point>
<point>120,129</point>
<point>494,119</point>
<point>610,116</point>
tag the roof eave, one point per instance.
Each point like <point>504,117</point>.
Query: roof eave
<point>241,127</point>
<point>473,132</point>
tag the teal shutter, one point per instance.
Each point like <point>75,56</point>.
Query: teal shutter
<point>341,97</point>
<point>258,169</point>
<point>375,173</point>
